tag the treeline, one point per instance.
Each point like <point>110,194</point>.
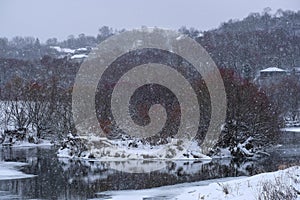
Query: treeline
<point>40,101</point>
<point>44,104</point>
<point>30,48</point>
<point>258,41</point>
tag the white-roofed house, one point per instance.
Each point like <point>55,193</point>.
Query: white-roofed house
<point>271,75</point>
<point>78,57</point>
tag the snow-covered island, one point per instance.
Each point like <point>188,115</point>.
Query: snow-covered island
<point>127,149</point>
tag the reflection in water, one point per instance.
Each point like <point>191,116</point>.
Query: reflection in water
<point>71,179</point>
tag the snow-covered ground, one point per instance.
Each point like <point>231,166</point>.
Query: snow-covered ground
<point>41,143</point>
<point>26,143</point>
<point>282,183</point>
<point>10,170</point>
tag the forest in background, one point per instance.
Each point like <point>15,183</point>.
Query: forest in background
<point>36,79</point>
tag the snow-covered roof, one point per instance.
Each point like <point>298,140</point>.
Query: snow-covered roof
<point>273,69</point>
<point>78,56</point>
<point>292,129</point>
<point>81,49</point>
<point>63,50</point>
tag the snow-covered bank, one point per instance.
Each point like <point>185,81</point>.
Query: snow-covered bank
<point>41,143</point>
<point>21,144</point>
<point>10,170</point>
<point>169,192</point>
<point>284,184</point>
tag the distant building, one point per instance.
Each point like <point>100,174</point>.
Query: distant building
<point>82,50</point>
<point>271,75</point>
<point>275,82</point>
<point>273,72</point>
<point>75,55</point>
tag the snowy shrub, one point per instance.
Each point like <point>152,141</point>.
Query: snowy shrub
<point>252,122</point>
<point>225,188</point>
<point>72,147</point>
<point>276,191</point>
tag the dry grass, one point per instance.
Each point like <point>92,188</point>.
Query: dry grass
<point>277,190</point>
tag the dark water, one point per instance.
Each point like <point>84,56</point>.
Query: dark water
<point>66,179</point>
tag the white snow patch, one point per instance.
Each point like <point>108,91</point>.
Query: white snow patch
<point>181,37</point>
<point>291,129</point>
<point>62,50</point>
<point>273,69</point>
<point>9,171</point>
<point>81,49</point>
<point>79,56</point>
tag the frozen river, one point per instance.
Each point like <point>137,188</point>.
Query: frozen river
<point>37,173</point>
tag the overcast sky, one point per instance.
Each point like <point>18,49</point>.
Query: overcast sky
<point>60,18</point>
